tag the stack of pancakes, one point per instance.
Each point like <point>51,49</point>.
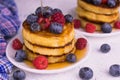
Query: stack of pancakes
<point>89,13</point>
<point>54,46</point>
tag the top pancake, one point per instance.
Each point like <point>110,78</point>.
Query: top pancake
<point>98,9</point>
<point>45,38</point>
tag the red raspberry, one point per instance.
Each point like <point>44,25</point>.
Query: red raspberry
<point>104,1</point>
<point>77,23</point>
<point>58,17</point>
<point>44,22</point>
<point>40,62</point>
<point>81,43</point>
<point>16,44</point>
<point>117,24</point>
<point>90,28</point>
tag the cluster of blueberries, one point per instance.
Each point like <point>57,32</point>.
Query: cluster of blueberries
<point>46,13</point>
<point>110,3</point>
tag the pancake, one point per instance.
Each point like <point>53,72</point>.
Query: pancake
<point>98,9</point>
<point>98,25</point>
<point>45,38</point>
<point>96,17</point>
<point>51,59</point>
<point>50,51</point>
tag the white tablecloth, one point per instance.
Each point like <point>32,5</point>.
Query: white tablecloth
<point>98,61</point>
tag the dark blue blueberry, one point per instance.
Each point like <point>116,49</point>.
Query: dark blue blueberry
<point>20,56</point>
<point>71,58</point>
<point>97,2</point>
<point>86,73</point>
<point>106,28</point>
<point>114,70</point>
<point>111,3</point>
<point>48,11</point>
<point>68,18</point>
<point>56,28</point>
<point>39,11</point>
<point>19,75</point>
<point>32,18</point>
<point>105,48</point>
<point>35,27</point>
<point>56,10</point>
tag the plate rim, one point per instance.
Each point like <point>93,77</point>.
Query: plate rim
<point>97,35</point>
<point>46,71</point>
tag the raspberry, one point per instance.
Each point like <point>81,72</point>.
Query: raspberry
<point>40,62</point>
<point>44,22</point>
<point>90,28</point>
<point>81,43</point>
<point>117,24</point>
<point>16,44</point>
<point>104,1</point>
<point>77,23</point>
<point>58,17</point>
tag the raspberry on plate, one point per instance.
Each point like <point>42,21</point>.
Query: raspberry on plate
<point>16,44</point>
<point>117,24</point>
<point>40,62</point>
<point>81,43</point>
<point>90,28</point>
<point>77,23</point>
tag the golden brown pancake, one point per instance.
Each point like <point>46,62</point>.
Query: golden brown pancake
<point>45,38</point>
<point>96,17</point>
<point>51,59</point>
<point>98,9</point>
<point>50,51</point>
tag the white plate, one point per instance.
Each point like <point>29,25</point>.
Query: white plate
<point>97,34</point>
<point>10,53</point>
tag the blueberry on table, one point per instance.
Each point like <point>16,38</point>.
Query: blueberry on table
<point>19,75</point>
<point>86,73</point>
<point>105,48</point>
<point>20,56</point>
<point>114,70</point>
<point>71,58</point>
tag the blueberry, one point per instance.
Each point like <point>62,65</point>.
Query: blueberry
<point>31,18</point>
<point>68,18</point>
<point>97,2</point>
<point>114,70</point>
<point>39,11</point>
<point>35,27</point>
<point>111,3</point>
<point>48,11</point>
<point>71,58</point>
<point>86,73</point>
<point>106,28</point>
<point>20,56</point>
<point>56,28</point>
<point>105,48</point>
<point>56,10</point>
<point>19,75</point>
